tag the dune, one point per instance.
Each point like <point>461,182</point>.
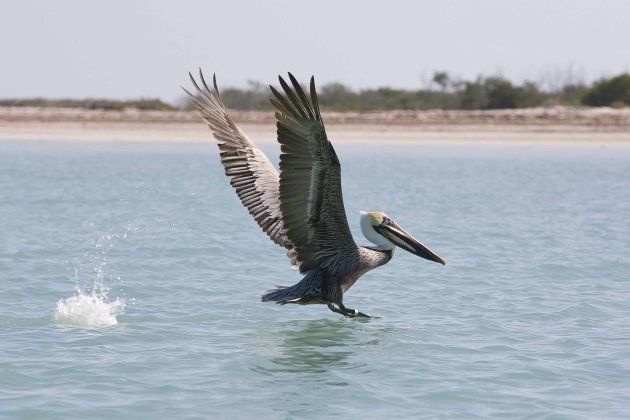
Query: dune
<point>554,125</point>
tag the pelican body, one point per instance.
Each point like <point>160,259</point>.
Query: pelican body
<point>301,208</point>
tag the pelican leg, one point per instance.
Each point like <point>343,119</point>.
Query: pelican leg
<point>335,309</point>
<point>352,313</point>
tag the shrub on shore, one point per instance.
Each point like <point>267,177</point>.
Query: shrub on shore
<point>102,104</point>
<point>443,92</point>
<point>609,92</point>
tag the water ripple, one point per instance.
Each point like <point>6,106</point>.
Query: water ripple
<point>528,320</point>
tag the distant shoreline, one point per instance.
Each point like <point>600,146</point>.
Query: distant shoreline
<point>557,125</point>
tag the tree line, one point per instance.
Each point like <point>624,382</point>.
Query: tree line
<point>492,92</point>
<point>96,104</point>
<point>444,92</point>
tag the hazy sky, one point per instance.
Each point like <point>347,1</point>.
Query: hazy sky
<point>131,49</point>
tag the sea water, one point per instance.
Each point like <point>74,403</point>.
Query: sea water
<point>130,278</point>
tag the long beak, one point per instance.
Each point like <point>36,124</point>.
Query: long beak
<point>400,237</point>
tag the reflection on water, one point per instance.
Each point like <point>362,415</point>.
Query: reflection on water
<point>317,346</point>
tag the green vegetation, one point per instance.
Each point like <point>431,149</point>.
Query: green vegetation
<point>102,104</point>
<point>442,92</point>
<point>445,92</point>
<point>609,92</point>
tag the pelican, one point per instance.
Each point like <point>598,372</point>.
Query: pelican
<point>301,208</point>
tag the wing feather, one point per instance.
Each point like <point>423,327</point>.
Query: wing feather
<point>310,180</point>
<point>252,174</point>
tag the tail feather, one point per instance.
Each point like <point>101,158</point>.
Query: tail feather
<point>308,290</point>
<point>279,294</point>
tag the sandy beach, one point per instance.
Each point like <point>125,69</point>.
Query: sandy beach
<point>554,126</point>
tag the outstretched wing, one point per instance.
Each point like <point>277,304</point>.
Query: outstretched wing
<point>251,173</point>
<point>310,180</point>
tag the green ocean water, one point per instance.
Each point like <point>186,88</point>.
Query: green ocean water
<point>130,278</point>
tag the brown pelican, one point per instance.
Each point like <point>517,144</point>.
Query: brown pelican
<point>301,209</point>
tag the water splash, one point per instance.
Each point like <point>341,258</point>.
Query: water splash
<point>89,309</point>
<point>91,306</point>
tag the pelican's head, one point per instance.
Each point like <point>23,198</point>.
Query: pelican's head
<point>381,230</point>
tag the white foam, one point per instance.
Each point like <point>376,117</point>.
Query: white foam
<point>90,305</point>
<point>89,310</point>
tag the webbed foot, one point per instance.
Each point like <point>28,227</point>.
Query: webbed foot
<point>348,313</point>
